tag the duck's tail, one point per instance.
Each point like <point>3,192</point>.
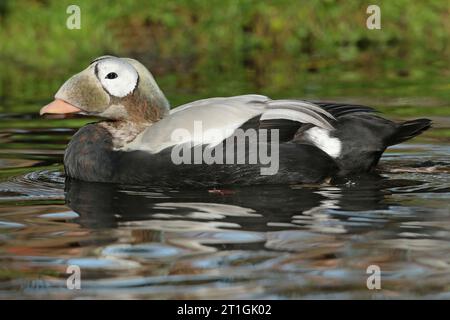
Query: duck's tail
<point>408,130</point>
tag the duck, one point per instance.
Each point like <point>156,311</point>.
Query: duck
<point>239,140</point>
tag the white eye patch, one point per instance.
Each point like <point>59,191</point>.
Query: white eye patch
<point>117,77</point>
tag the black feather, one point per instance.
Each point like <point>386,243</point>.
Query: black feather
<point>339,109</point>
<point>408,130</point>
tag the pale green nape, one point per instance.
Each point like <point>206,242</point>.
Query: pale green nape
<point>149,88</point>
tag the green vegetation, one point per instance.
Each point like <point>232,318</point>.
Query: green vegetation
<point>203,48</point>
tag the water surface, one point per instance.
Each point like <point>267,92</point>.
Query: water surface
<point>267,242</point>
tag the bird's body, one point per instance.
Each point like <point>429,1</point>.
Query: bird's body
<point>248,139</point>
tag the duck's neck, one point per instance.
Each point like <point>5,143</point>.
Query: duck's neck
<point>123,132</point>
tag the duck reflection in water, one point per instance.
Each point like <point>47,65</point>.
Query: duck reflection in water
<point>256,208</point>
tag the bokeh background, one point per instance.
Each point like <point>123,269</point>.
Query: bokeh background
<point>197,48</point>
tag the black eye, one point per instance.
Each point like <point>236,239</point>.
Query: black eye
<point>111,75</point>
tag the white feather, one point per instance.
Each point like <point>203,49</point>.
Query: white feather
<point>293,115</point>
<point>321,139</point>
<point>220,117</point>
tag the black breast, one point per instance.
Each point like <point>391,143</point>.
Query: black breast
<point>89,155</point>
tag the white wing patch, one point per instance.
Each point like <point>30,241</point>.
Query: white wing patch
<point>321,139</point>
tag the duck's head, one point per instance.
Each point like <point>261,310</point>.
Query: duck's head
<point>112,88</point>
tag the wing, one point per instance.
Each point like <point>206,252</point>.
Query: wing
<point>210,121</point>
<point>289,129</point>
<point>341,109</point>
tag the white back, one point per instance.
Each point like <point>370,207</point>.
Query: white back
<point>224,115</point>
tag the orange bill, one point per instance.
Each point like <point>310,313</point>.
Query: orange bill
<point>59,107</point>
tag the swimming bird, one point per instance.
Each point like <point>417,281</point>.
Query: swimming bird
<point>246,139</point>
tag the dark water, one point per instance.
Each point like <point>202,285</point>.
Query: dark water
<point>312,241</point>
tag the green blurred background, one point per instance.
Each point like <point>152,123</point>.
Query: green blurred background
<point>199,48</point>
